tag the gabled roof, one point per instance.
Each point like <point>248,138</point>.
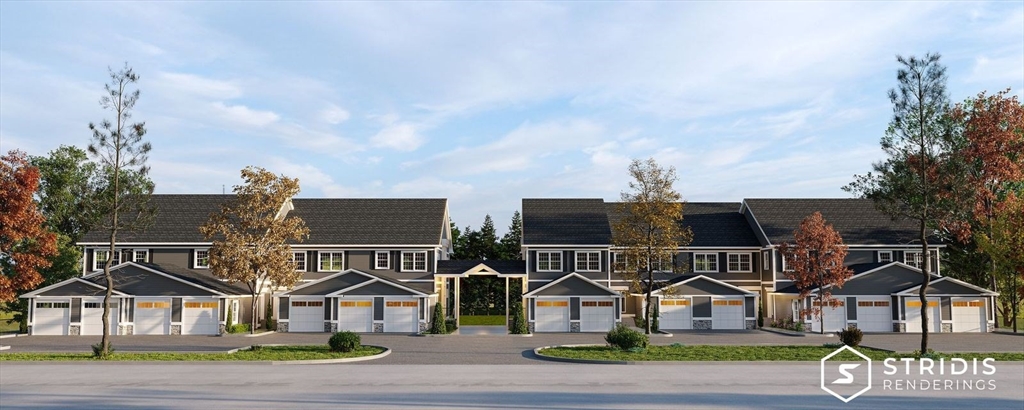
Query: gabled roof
<point>201,277</point>
<point>572,284</point>
<point>949,286</point>
<point>861,270</point>
<point>137,279</point>
<point>693,280</point>
<point>385,221</point>
<point>378,221</point>
<point>457,267</point>
<point>177,220</point>
<point>895,278</point>
<point>857,220</point>
<point>565,222</point>
<point>714,224</point>
<point>352,279</point>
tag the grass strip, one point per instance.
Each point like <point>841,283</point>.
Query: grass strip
<point>263,353</point>
<point>704,353</point>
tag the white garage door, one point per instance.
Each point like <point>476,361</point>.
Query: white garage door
<point>675,314</point>
<point>874,315</point>
<point>401,316</point>
<point>913,310</point>
<point>968,315</point>
<point>552,316</point>
<point>152,317</point>
<point>834,317</point>
<point>200,318</point>
<point>92,318</point>
<point>306,316</point>
<point>355,315</point>
<point>727,314</point>
<point>51,318</point>
<point>597,315</point>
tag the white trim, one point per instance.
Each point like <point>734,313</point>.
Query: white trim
<point>715,254</point>
<point>320,258</point>
<point>305,263</point>
<point>587,261</point>
<point>37,292</point>
<point>166,275</point>
<point>341,293</point>
<point>750,263</point>
<point>96,261</point>
<point>560,254</point>
<point>413,253</point>
<point>878,256</point>
<point>552,283</point>
<point>766,260</point>
<point>747,293</point>
<point>909,292</point>
<point>195,258</point>
<point>376,260</point>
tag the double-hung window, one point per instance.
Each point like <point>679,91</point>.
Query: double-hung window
<point>202,259</point>
<point>705,262</point>
<point>588,261</point>
<point>884,256</point>
<point>661,264</point>
<point>619,261</point>
<point>916,260</point>
<point>549,261</point>
<point>766,261</point>
<point>331,261</point>
<point>739,262</point>
<point>140,255</point>
<point>100,259</point>
<point>382,260</point>
<point>414,261</point>
<point>299,259</point>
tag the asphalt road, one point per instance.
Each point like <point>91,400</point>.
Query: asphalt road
<point>559,386</point>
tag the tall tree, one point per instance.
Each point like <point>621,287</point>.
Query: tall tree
<point>816,258</point>
<point>915,181</point>
<point>487,243</point>
<point>511,243</point>
<point>989,137</point>
<point>65,177</point>
<point>1004,243</point>
<point>458,241</point>
<point>251,235</point>
<point>650,230</point>
<point>124,187</point>
<point>26,245</point>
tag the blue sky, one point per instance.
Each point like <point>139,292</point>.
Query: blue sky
<point>488,103</point>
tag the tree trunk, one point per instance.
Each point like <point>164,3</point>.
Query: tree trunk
<point>648,309</point>
<point>923,292</point>
<point>1016,298</point>
<point>252,310</point>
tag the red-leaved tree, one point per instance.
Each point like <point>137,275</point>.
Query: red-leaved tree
<point>816,259</point>
<point>25,244</point>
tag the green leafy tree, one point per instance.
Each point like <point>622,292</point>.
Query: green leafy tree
<point>1004,243</point>
<point>511,242</point>
<point>124,187</point>
<point>918,179</point>
<point>650,230</point>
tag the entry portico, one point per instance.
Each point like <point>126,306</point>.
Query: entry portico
<point>448,281</point>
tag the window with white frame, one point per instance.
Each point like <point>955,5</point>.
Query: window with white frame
<point>915,259</point>
<point>202,258</point>
<point>140,255</point>
<point>766,261</point>
<point>588,261</point>
<point>619,261</point>
<point>739,262</point>
<point>785,264</point>
<point>661,264</point>
<point>382,260</point>
<point>100,257</point>
<point>331,261</point>
<point>549,261</point>
<point>299,260</point>
<point>705,262</point>
<point>414,261</point>
<point>885,256</point>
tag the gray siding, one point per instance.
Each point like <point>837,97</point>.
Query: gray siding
<point>947,308</point>
<point>139,282</point>
<point>748,305</point>
<point>574,308</point>
<point>702,307</point>
<point>950,288</point>
<point>379,288</point>
<point>176,310</point>
<point>283,305</point>
<point>76,310</point>
<point>332,285</point>
<point>574,287</point>
<point>378,308</point>
<point>855,257</point>
<point>885,282</point>
<point>851,308</point>
<point>179,257</point>
<point>75,288</point>
<point>705,288</point>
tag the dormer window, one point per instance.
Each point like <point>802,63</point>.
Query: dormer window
<point>884,256</point>
<point>140,256</point>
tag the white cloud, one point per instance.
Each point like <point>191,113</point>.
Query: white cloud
<point>242,115</point>
<point>311,179</point>
<point>400,136</point>
<point>334,115</point>
<point>432,187</point>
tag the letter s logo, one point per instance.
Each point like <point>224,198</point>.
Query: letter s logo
<point>844,370</point>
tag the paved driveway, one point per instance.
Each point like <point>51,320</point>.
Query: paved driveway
<point>463,349</point>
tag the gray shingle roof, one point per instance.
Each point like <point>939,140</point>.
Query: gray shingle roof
<point>372,221</point>
<point>565,222</point>
<point>717,224</point>
<point>856,220</point>
<point>330,221</point>
<point>505,267</point>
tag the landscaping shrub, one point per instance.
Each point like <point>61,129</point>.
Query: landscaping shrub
<point>268,321</point>
<point>438,325</point>
<point>517,323</point>
<point>625,338</point>
<point>850,336</point>
<point>344,342</point>
<point>230,319</point>
<point>760,316</point>
<point>451,324</point>
<point>238,328</point>
<point>97,350</point>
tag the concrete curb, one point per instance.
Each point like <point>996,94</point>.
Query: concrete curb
<point>13,335</point>
<point>784,332</point>
<point>461,335</point>
<point>5,347</point>
<point>262,334</point>
<point>336,361</point>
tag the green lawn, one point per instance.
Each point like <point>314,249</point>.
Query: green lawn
<point>469,320</point>
<point>741,353</point>
<point>1020,324</point>
<point>7,327</point>
<point>265,353</point>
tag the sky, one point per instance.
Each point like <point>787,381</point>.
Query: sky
<point>487,103</point>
